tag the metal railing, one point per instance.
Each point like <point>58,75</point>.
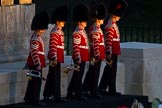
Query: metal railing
<point>141,33</point>
<point>128,33</point>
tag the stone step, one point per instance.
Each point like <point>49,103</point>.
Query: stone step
<point>104,102</point>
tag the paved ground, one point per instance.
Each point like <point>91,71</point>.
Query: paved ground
<point>105,102</point>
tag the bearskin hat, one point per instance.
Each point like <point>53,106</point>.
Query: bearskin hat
<point>40,21</point>
<point>60,14</point>
<point>81,13</point>
<point>118,7</point>
<point>99,11</point>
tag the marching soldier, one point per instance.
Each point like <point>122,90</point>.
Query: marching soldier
<point>56,55</point>
<point>112,35</point>
<point>36,58</point>
<point>97,50</point>
<point>80,50</point>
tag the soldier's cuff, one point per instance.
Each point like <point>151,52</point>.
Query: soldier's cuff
<point>108,52</point>
<point>38,65</point>
<point>52,58</point>
<point>76,60</point>
<point>97,57</point>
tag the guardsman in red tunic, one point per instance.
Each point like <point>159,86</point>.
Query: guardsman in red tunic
<point>56,55</point>
<point>112,35</point>
<point>36,58</point>
<point>80,50</point>
<point>97,50</point>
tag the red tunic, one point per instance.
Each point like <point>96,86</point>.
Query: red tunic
<point>56,45</point>
<point>97,42</point>
<point>112,38</point>
<point>80,45</point>
<point>36,55</point>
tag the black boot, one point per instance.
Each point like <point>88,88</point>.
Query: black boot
<point>70,96</point>
<point>59,100</point>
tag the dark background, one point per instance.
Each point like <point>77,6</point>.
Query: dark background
<point>139,11</point>
<point>138,24</point>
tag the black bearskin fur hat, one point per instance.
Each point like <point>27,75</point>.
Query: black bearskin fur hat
<point>60,14</point>
<point>81,13</point>
<point>40,21</point>
<point>118,7</point>
<point>99,11</point>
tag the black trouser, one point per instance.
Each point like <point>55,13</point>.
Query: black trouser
<point>53,83</point>
<point>87,79</point>
<point>32,94</point>
<point>75,85</point>
<point>108,78</point>
<point>91,79</point>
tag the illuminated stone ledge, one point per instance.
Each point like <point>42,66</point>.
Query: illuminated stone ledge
<point>13,2</point>
<point>143,68</point>
<point>6,2</point>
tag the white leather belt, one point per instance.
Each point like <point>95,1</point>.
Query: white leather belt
<point>39,52</point>
<point>84,47</point>
<point>101,43</point>
<point>116,39</point>
<point>61,47</point>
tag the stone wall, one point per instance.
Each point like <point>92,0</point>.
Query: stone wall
<point>15,31</point>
